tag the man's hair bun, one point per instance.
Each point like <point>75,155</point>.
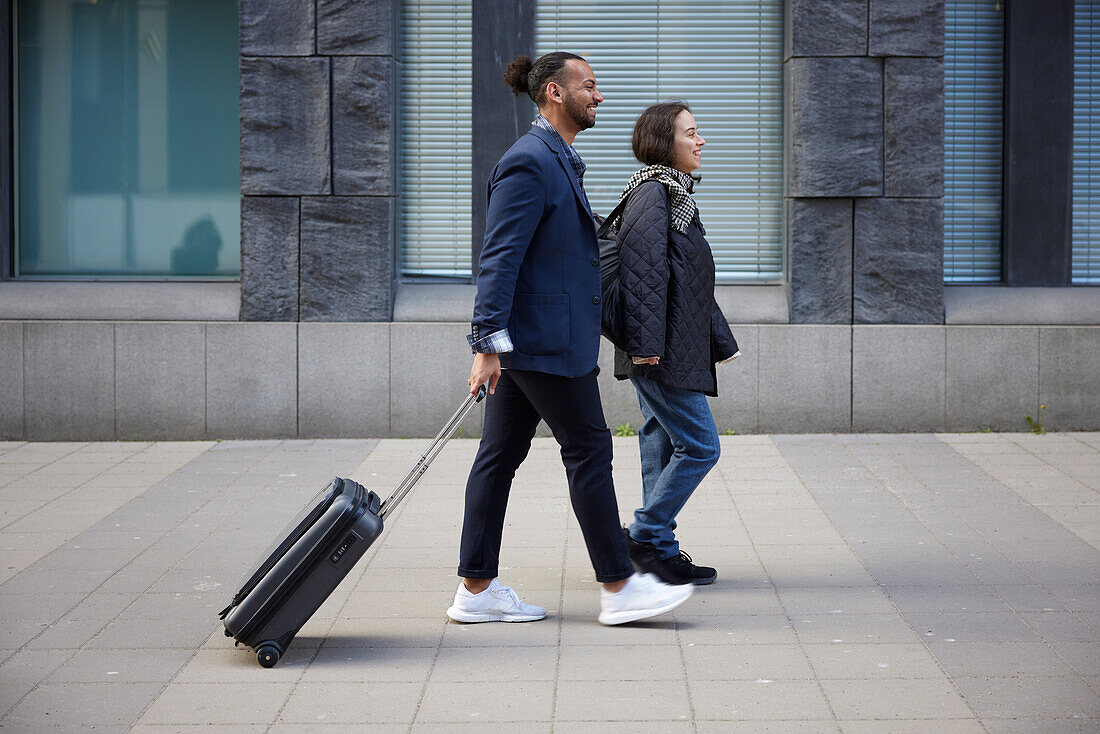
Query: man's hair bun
<point>515,76</point>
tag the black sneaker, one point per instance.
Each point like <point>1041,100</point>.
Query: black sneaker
<point>676,570</point>
<point>681,567</point>
<point>641,554</point>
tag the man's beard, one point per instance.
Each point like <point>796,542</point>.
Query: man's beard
<point>578,113</point>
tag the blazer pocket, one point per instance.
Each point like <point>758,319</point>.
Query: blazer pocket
<point>542,323</point>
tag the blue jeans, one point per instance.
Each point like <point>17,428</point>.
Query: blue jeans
<point>679,445</point>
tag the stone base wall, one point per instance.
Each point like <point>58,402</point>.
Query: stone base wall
<point>69,380</point>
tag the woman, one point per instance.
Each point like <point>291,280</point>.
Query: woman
<point>675,334</point>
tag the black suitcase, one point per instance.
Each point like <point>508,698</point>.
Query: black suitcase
<point>314,553</point>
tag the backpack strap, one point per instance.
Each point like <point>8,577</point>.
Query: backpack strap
<point>605,226</point>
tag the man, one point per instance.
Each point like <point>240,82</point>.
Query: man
<point>537,316</point>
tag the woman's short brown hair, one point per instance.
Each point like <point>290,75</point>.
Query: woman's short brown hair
<point>654,132</point>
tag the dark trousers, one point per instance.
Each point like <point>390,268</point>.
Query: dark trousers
<point>571,408</point>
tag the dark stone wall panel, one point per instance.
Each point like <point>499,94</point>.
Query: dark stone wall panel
<point>907,27</point>
<point>269,258</point>
<point>914,116</point>
<point>820,252</point>
<point>834,128</point>
<point>831,28</point>
<point>347,259</point>
<point>276,27</point>
<point>356,27</point>
<point>898,261</point>
<point>285,126</point>
<point>502,29</point>
<point>363,125</point>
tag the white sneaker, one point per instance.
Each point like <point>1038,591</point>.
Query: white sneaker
<point>498,603</point>
<point>643,596</point>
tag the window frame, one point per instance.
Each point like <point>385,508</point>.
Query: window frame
<point>7,146</point>
<point>9,182</point>
<point>503,33</point>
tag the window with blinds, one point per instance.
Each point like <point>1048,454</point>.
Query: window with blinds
<point>974,73</point>
<point>435,138</point>
<point>1086,144</point>
<point>726,63</point>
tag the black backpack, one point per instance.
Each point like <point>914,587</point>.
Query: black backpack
<point>611,321</point>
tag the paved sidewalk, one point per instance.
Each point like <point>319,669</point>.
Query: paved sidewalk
<point>867,583</point>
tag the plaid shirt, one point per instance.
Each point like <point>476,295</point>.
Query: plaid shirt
<point>500,341</point>
<point>496,343</point>
<point>574,158</point>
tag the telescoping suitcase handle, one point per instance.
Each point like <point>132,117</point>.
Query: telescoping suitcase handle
<point>430,453</point>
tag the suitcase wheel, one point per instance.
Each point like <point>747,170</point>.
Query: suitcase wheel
<point>268,654</point>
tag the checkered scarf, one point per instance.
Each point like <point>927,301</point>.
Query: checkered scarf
<point>680,187</point>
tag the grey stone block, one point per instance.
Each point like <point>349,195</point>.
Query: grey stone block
<point>347,259</point>
<point>160,376</point>
<point>363,27</point>
<point>277,27</point>
<point>429,369</point>
<point>914,124</point>
<point>1013,305</point>
<point>269,258</point>
<point>41,300</point>
<point>805,379</point>
<point>898,261</point>
<point>834,130</point>
<point>251,380</point>
<point>11,387</point>
<point>1069,377</point>
<point>907,27</point>
<point>363,125</point>
<point>820,256</point>
<point>69,383</point>
<point>754,304</point>
<point>434,302</point>
<point>737,406</point>
<point>285,126</point>
<point>992,377</point>
<point>898,378</point>
<point>834,28</point>
<point>343,380</point>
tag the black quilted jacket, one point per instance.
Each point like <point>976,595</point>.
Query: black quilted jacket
<point>667,292</point>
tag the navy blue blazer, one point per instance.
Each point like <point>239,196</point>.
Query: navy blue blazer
<point>539,270</point>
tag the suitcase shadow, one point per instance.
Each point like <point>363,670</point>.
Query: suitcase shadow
<point>339,650</point>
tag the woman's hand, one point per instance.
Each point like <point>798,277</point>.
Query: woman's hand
<point>486,369</point>
<point>645,360</point>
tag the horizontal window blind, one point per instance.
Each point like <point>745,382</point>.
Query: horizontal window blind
<point>435,138</point>
<point>974,73</point>
<point>1086,144</point>
<point>726,62</point>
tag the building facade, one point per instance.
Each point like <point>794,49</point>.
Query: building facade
<point>260,219</point>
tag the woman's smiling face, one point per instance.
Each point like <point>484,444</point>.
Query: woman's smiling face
<point>687,143</point>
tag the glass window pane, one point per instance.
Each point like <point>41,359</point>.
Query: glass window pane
<point>127,138</point>
<point>974,73</point>
<point>1086,144</point>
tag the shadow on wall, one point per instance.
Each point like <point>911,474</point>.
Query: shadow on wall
<point>198,253</point>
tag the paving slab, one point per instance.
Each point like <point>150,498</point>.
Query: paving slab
<point>867,583</point>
